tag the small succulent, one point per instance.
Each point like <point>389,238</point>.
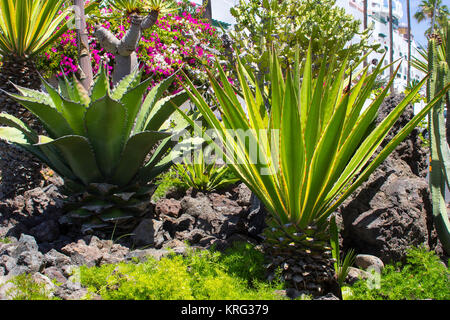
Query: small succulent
<point>204,176</point>
<point>107,144</point>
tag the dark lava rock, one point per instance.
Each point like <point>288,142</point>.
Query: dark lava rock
<point>391,211</point>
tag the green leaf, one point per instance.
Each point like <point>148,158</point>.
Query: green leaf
<point>163,109</point>
<point>149,103</point>
<point>115,214</point>
<point>74,113</point>
<point>134,153</point>
<point>78,153</point>
<point>100,88</point>
<point>124,85</point>
<point>105,122</point>
<point>13,135</point>
<point>132,101</point>
<point>11,121</point>
<point>53,121</point>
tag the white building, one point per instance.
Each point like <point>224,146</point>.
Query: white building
<point>378,14</point>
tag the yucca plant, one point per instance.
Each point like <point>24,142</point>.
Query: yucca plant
<point>204,174</point>
<point>305,154</point>
<point>107,145</point>
<point>141,6</point>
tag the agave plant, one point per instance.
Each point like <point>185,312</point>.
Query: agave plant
<point>204,176</point>
<point>106,145</point>
<point>305,154</point>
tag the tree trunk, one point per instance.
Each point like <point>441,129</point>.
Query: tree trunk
<point>408,13</point>
<point>391,46</point>
<point>208,10</point>
<point>365,22</point>
<point>84,55</point>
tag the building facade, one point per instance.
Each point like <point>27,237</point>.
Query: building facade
<point>378,17</point>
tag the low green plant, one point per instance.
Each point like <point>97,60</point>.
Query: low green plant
<point>203,176</point>
<point>25,288</point>
<point>167,181</point>
<point>423,276</point>
<point>208,274</point>
<point>5,240</point>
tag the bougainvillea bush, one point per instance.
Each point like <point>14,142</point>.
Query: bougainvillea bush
<point>180,40</point>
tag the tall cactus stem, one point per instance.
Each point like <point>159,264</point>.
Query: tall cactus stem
<point>440,153</point>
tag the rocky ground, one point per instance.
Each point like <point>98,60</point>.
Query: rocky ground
<point>43,246</point>
<point>392,209</point>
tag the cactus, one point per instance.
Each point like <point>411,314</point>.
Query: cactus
<point>440,152</point>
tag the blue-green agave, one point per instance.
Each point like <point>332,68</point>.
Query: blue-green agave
<point>107,144</point>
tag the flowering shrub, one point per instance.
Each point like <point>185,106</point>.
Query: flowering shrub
<point>181,40</point>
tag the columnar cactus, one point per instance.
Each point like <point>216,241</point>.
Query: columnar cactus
<point>440,152</point>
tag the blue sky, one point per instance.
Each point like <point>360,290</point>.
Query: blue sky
<point>221,11</point>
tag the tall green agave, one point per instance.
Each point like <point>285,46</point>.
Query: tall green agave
<point>315,144</point>
<point>106,144</point>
